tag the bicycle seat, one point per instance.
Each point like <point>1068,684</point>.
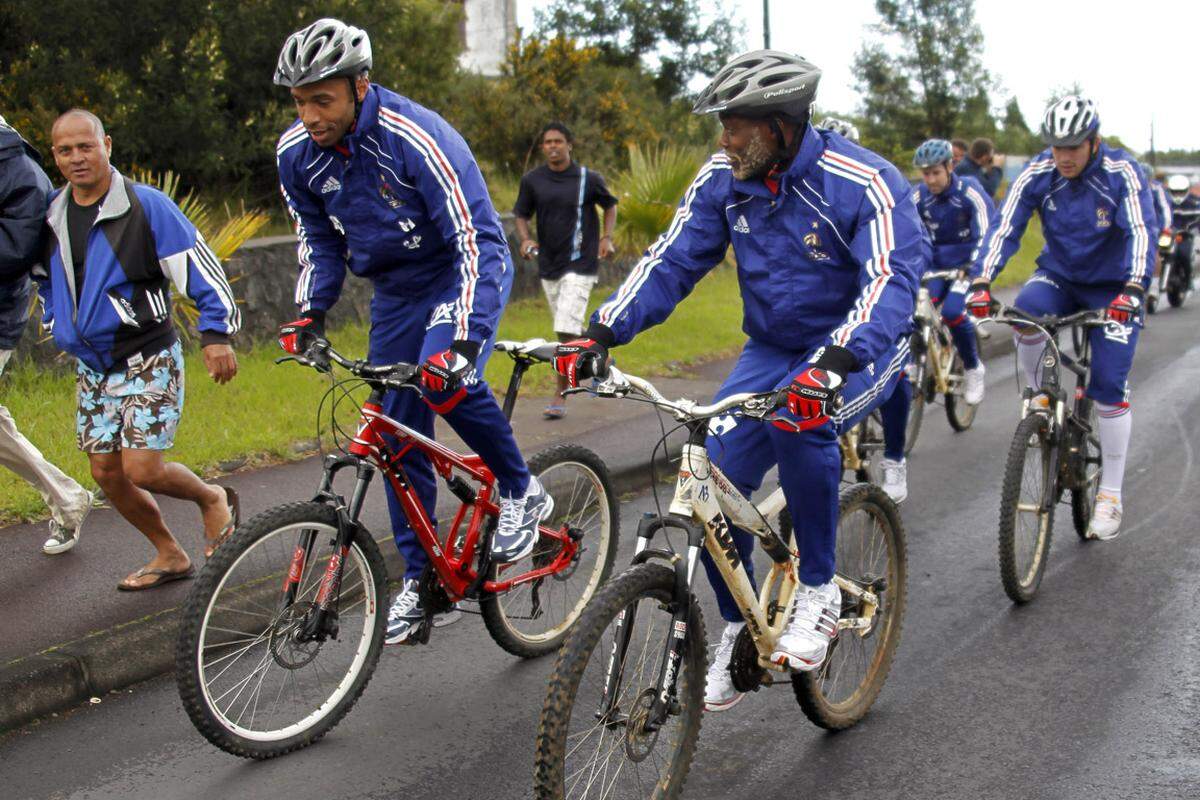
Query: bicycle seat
<point>536,349</point>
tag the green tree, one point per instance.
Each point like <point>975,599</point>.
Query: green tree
<point>922,76</point>
<point>1015,135</point>
<point>670,36</point>
<point>185,85</point>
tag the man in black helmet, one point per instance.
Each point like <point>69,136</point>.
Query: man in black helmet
<point>829,249</point>
<point>385,187</point>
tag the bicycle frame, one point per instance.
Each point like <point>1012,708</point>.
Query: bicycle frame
<point>704,498</point>
<point>937,342</point>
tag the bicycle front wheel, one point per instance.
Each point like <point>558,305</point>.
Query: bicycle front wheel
<point>250,679</point>
<point>871,553</point>
<point>589,748</point>
<point>531,619</point>
<point>916,412</point>
<point>1026,519</point>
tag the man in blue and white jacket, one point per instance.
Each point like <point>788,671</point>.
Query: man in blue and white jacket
<point>114,249</point>
<point>828,247</point>
<point>1099,222</point>
<point>386,188</point>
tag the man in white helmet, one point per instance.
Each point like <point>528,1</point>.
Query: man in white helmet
<point>1099,222</point>
<point>384,187</point>
<point>1185,219</point>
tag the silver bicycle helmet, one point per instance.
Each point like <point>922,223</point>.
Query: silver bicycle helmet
<point>847,129</point>
<point>933,152</point>
<point>763,83</point>
<point>329,48</point>
<point>1070,121</point>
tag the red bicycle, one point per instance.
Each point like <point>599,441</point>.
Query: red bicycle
<point>284,625</point>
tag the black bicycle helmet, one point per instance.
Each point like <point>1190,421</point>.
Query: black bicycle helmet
<point>328,48</point>
<point>763,83</point>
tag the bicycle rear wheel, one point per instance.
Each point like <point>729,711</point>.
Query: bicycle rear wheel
<point>584,750</point>
<point>1026,520</point>
<point>249,684</point>
<point>532,619</point>
<point>871,552</point>
<point>1083,498</point>
<point>959,413</point>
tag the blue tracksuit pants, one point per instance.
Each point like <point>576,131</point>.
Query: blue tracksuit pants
<point>412,329</point>
<point>810,463</point>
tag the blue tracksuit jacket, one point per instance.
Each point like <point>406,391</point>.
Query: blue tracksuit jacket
<point>139,244</point>
<point>23,190</point>
<point>1098,226</point>
<point>1162,205</point>
<point>400,201</point>
<point>957,219</point>
<point>835,258</point>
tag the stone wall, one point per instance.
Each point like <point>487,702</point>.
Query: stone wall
<point>263,276</point>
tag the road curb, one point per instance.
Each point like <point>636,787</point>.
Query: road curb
<point>66,675</point>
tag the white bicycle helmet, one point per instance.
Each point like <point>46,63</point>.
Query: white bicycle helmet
<point>1179,186</point>
<point>328,48</point>
<point>845,128</point>
<point>1070,121</point>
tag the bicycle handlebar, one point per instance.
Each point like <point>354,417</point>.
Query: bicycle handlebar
<point>1011,315</point>
<point>619,384</point>
<point>321,354</point>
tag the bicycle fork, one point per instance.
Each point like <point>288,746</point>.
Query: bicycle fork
<point>664,702</point>
<point>321,622</point>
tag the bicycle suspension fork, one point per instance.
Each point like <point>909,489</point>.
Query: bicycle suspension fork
<point>684,567</point>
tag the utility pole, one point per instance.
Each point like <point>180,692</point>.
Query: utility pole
<point>766,24</point>
<point>1153,155</point>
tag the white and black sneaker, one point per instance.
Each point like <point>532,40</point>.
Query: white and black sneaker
<point>63,538</point>
<point>406,614</point>
<point>811,627</point>
<point>719,691</point>
<point>517,533</point>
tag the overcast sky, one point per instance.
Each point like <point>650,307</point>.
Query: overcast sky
<point>1137,64</point>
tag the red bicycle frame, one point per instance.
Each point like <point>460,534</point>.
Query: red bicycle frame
<point>454,558</point>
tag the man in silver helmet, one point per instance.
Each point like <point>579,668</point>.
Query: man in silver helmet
<point>829,249</point>
<point>386,188</point>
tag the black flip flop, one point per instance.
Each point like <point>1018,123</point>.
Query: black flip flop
<point>235,519</point>
<point>161,576</point>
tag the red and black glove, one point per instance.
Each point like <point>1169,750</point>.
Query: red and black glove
<point>979,298</point>
<point>816,392</point>
<point>586,357</point>
<point>298,335</point>
<point>1127,305</point>
<point>449,369</point>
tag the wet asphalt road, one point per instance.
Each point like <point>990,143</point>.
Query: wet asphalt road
<point>1091,691</point>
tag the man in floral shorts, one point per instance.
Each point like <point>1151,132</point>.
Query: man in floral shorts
<point>114,249</point>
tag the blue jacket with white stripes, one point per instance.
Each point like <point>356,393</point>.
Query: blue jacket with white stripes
<point>139,244</point>
<point>1162,205</point>
<point>834,258</point>
<point>957,219</point>
<point>1098,226</point>
<point>401,201</point>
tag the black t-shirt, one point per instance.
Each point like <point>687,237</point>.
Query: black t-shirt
<point>568,227</point>
<point>79,224</point>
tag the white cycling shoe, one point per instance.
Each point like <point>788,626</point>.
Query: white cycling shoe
<point>1106,517</point>
<point>974,385</point>
<point>719,693</point>
<point>811,627</point>
<point>895,479</point>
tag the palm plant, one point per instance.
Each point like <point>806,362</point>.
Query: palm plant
<point>650,190</point>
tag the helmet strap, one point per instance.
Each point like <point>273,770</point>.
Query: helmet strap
<point>787,151</point>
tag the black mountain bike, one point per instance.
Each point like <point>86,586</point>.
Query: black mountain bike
<point>1055,450</point>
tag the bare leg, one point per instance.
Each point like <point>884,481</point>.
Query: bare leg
<point>148,470</point>
<point>137,506</point>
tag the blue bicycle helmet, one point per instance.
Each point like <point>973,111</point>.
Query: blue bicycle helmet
<point>932,152</point>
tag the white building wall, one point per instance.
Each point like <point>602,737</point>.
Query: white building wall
<point>490,28</point>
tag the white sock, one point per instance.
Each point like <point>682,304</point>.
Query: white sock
<point>1115,423</point>
<point>1029,356</point>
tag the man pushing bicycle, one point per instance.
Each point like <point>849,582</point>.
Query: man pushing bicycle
<point>1099,222</point>
<point>385,187</point>
<point>828,246</point>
